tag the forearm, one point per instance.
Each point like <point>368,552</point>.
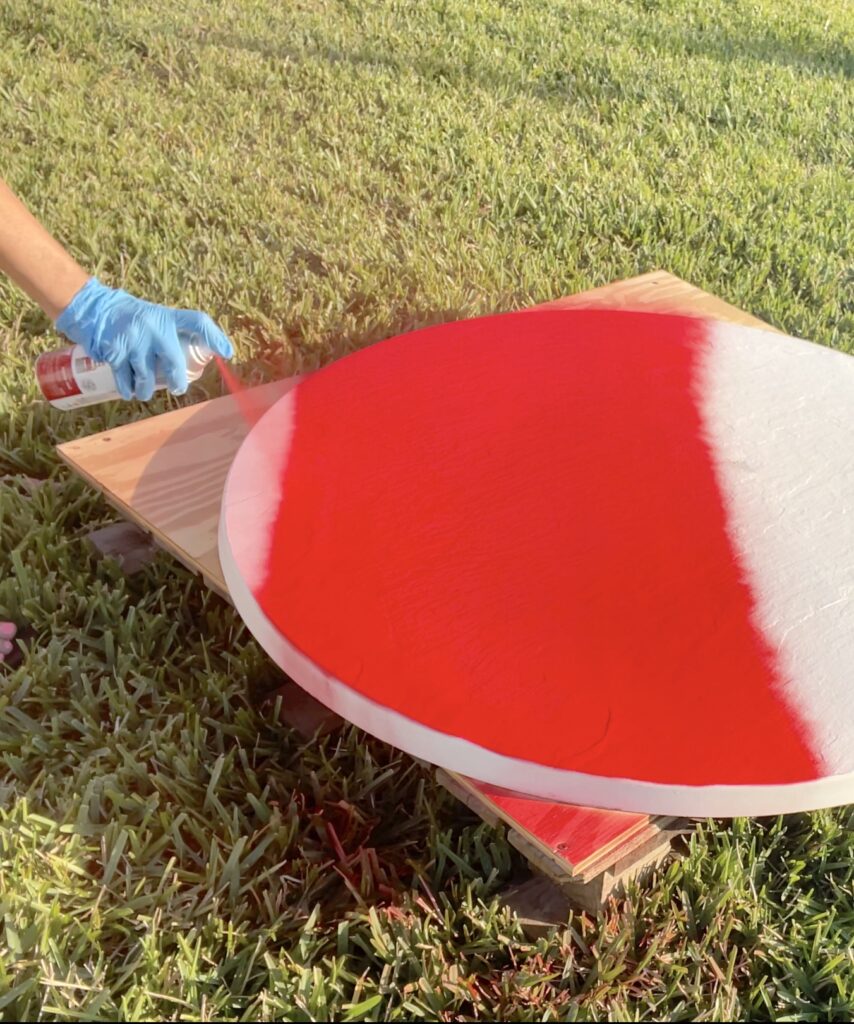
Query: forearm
<point>34,260</point>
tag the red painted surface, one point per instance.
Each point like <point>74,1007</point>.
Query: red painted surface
<point>55,374</point>
<point>510,530</point>
<point>572,833</point>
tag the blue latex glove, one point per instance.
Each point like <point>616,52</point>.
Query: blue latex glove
<point>133,336</point>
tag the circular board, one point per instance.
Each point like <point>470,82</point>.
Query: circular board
<point>595,556</point>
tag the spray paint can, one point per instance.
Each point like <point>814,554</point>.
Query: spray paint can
<point>69,379</point>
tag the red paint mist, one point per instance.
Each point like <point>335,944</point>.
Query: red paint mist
<point>510,530</point>
<point>250,410</point>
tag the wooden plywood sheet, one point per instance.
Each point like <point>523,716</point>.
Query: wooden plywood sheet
<point>580,840</point>
<point>659,292</point>
<point>167,473</point>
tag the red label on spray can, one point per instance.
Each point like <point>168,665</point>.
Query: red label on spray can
<point>54,374</point>
<point>69,379</point>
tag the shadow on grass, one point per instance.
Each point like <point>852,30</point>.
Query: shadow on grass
<point>813,54</point>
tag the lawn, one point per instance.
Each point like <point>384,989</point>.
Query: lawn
<point>318,175</point>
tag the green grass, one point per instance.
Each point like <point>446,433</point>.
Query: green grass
<point>318,175</point>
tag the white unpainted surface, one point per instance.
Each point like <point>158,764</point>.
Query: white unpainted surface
<point>779,414</point>
<point>251,476</point>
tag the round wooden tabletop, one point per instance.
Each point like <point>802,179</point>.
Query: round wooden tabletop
<point>596,556</point>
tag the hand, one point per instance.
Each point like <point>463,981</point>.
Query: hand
<point>133,336</point>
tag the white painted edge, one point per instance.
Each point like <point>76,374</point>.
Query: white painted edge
<point>458,755</point>
<point>250,474</point>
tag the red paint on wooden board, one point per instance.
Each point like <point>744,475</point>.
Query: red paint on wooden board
<point>572,833</point>
<point>479,530</point>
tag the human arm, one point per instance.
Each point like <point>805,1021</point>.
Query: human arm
<point>34,260</point>
<point>132,335</point>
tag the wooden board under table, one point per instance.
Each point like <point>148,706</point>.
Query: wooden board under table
<point>166,474</point>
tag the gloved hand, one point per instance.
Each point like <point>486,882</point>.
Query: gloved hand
<point>133,336</point>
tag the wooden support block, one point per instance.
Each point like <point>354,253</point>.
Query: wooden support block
<point>131,547</point>
<point>635,847</point>
<point>575,841</point>
<point>30,484</point>
<point>302,712</point>
<point>594,894</point>
<point>539,904</point>
<point>588,894</point>
<point>539,860</point>
<point>544,901</point>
